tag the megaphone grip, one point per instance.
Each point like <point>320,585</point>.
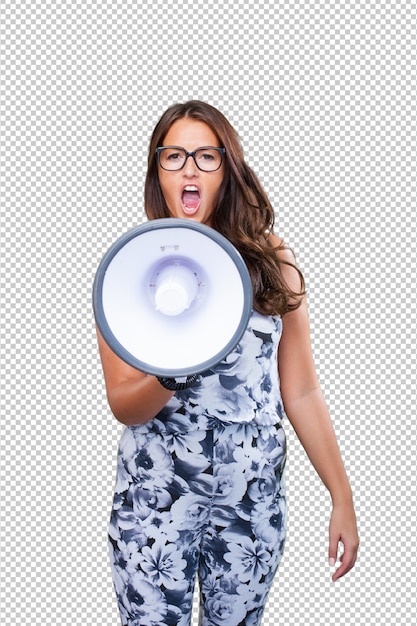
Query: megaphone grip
<point>175,385</point>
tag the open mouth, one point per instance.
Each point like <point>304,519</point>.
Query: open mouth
<point>190,199</point>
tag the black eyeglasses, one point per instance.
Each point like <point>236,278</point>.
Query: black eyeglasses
<point>173,158</point>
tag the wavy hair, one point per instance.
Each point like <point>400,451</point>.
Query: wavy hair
<point>242,212</point>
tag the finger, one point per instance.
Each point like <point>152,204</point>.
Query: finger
<point>343,569</point>
<point>347,561</point>
<point>333,548</point>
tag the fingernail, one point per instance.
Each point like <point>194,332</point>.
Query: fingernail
<point>332,562</point>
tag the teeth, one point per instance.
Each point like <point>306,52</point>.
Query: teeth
<point>190,188</point>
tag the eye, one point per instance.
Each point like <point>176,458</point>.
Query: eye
<point>173,156</point>
<point>207,156</point>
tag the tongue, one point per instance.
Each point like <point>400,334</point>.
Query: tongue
<point>191,199</point>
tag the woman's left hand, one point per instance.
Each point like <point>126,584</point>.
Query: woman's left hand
<point>343,529</point>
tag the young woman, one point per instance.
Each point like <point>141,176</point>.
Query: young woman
<point>200,482</point>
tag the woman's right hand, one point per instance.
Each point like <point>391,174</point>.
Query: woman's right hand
<point>134,397</point>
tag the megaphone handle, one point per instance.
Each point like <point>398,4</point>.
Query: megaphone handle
<point>174,384</point>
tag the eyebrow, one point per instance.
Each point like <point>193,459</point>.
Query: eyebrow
<point>199,148</point>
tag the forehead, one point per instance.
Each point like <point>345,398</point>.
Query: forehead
<point>190,134</point>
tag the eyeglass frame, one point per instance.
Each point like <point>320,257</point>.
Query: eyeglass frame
<point>221,151</point>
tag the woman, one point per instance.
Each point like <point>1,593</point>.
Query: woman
<point>200,488</point>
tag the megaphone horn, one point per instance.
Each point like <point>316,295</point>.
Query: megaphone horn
<point>172,297</point>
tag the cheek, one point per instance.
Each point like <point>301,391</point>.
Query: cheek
<point>166,190</point>
<point>216,187</point>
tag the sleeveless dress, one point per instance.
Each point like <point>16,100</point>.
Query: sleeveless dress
<point>200,492</point>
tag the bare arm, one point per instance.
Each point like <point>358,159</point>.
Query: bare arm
<point>308,413</point>
<point>134,397</point>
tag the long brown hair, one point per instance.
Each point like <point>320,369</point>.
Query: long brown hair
<point>242,212</point>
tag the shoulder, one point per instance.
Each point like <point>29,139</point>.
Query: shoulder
<point>289,268</point>
<point>283,251</point>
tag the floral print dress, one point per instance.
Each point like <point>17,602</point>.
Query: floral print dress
<point>200,492</point>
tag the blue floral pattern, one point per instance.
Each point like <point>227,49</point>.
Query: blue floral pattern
<point>200,491</point>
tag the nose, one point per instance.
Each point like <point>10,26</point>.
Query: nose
<point>190,168</point>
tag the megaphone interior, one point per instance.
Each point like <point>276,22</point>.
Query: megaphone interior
<point>172,297</point>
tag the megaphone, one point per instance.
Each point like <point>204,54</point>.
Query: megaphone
<point>172,297</point>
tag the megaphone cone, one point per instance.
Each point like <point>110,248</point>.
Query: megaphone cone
<point>172,297</point>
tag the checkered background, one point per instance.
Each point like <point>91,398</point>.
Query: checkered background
<point>323,96</point>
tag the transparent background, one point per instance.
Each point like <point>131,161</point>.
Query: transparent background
<point>323,96</point>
